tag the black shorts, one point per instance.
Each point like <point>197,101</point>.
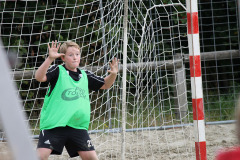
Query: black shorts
<point>73,139</point>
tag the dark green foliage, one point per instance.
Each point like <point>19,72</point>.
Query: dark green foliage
<point>218,24</point>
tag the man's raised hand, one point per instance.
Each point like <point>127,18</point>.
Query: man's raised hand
<point>53,51</point>
<point>114,66</point>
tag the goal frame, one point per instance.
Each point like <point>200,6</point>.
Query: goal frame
<point>196,79</point>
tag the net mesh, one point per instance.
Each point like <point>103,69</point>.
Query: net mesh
<point>157,88</point>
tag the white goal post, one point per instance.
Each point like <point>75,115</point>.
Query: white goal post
<point>15,127</point>
<point>147,113</point>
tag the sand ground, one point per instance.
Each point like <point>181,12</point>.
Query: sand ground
<point>172,144</point>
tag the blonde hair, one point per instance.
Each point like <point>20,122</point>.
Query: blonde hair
<point>65,45</point>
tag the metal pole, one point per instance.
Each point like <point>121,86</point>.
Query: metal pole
<point>196,79</point>
<point>14,126</point>
<point>105,62</point>
<point>124,107</point>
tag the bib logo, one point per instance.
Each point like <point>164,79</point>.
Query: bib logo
<point>71,94</point>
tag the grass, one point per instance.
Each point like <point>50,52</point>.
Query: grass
<point>220,108</point>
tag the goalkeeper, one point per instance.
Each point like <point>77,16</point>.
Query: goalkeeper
<point>65,115</point>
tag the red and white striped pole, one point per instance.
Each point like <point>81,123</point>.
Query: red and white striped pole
<point>196,79</point>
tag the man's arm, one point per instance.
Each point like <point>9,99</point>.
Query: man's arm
<point>40,74</point>
<point>110,79</point>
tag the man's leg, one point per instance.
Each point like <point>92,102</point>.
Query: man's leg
<point>88,155</point>
<point>44,153</point>
<point>50,142</point>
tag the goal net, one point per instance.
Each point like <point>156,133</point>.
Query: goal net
<point>158,94</point>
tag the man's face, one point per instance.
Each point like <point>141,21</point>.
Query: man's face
<point>72,58</point>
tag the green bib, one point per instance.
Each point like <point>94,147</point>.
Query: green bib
<point>68,104</point>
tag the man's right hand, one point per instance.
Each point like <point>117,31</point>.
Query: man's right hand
<point>53,51</point>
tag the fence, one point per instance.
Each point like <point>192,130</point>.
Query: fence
<point>219,31</point>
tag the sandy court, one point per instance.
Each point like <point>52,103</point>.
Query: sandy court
<point>172,144</point>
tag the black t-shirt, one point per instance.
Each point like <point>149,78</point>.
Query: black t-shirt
<point>94,82</point>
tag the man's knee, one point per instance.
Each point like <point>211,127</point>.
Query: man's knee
<point>43,157</point>
<point>43,153</point>
<point>88,155</point>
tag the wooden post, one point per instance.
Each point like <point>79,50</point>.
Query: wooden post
<point>180,91</point>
